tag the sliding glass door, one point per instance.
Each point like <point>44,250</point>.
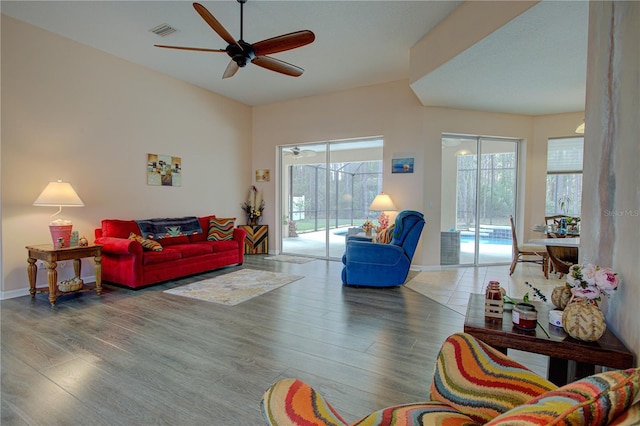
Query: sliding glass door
<point>478,195</point>
<point>325,189</point>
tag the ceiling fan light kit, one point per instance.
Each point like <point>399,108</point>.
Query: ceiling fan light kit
<point>242,53</point>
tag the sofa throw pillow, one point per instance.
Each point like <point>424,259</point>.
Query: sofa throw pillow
<point>146,243</point>
<point>221,228</point>
<point>594,400</point>
<point>384,235</point>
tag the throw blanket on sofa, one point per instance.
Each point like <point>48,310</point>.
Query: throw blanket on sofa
<point>169,227</point>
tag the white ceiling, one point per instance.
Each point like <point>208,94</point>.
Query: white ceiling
<point>535,65</point>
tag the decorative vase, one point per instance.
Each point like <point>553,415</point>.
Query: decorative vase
<point>61,235</point>
<point>253,221</point>
<point>560,296</point>
<point>582,319</point>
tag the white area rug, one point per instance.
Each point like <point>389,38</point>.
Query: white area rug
<point>290,259</point>
<point>235,287</point>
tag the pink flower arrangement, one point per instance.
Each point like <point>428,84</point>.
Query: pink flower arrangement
<point>383,220</point>
<point>591,281</point>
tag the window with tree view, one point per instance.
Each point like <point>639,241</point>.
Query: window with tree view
<point>564,176</point>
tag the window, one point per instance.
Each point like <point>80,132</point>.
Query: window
<point>564,176</point>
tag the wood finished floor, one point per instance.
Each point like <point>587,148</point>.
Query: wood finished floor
<point>148,358</point>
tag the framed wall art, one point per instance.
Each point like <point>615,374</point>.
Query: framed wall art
<point>402,165</point>
<point>164,170</point>
<point>263,175</point>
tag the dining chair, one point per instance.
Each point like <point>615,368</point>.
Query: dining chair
<point>528,253</point>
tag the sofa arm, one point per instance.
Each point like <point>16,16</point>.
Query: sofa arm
<point>481,382</point>
<point>293,402</point>
<point>119,246</point>
<point>239,235</point>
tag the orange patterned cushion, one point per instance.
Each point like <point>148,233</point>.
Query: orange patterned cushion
<point>221,228</point>
<point>146,243</point>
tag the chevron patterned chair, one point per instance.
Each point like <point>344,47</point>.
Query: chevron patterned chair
<point>474,384</point>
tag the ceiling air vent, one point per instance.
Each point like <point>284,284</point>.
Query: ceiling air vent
<point>163,30</point>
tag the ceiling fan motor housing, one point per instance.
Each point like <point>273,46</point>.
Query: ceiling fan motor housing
<point>242,54</point>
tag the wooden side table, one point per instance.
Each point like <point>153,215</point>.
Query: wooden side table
<point>501,334</point>
<point>51,256</point>
<point>257,239</point>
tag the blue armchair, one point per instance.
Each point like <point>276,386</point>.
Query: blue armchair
<point>383,265</point>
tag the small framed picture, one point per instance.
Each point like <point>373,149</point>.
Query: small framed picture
<point>263,175</point>
<point>402,165</point>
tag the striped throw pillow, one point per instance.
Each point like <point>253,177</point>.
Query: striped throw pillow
<point>221,228</point>
<point>146,243</point>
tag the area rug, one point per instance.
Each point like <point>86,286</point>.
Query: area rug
<point>290,259</point>
<point>235,287</point>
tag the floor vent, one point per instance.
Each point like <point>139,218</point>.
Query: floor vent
<point>163,30</point>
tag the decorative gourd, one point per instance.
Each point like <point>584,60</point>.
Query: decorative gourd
<point>560,296</point>
<point>583,320</point>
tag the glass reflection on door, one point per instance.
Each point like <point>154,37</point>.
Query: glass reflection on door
<point>478,195</point>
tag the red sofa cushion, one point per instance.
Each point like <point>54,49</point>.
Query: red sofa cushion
<point>220,246</point>
<point>192,249</point>
<point>172,241</point>
<point>154,257</point>
<point>119,228</point>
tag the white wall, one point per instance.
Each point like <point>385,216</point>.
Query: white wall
<point>392,110</point>
<point>74,113</point>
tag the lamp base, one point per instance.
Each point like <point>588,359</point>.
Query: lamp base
<point>61,235</point>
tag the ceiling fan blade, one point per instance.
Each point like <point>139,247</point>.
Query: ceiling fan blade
<point>278,66</point>
<point>213,23</point>
<point>198,49</point>
<point>283,42</point>
<point>231,69</point>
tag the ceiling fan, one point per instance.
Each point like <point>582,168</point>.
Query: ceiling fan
<point>296,152</point>
<point>242,53</point>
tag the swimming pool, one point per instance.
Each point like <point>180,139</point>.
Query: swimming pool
<point>485,238</point>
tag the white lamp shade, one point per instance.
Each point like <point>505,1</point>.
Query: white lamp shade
<point>382,202</point>
<point>59,194</point>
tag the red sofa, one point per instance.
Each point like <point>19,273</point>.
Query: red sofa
<point>125,262</point>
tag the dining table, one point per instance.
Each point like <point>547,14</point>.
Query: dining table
<point>563,252</point>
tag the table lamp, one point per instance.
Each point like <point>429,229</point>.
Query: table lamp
<point>382,203</point>
<point>59,194</point>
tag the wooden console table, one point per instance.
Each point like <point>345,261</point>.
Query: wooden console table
<point>257,239</point>
<point>51,255</point>
<point>501,334</point>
